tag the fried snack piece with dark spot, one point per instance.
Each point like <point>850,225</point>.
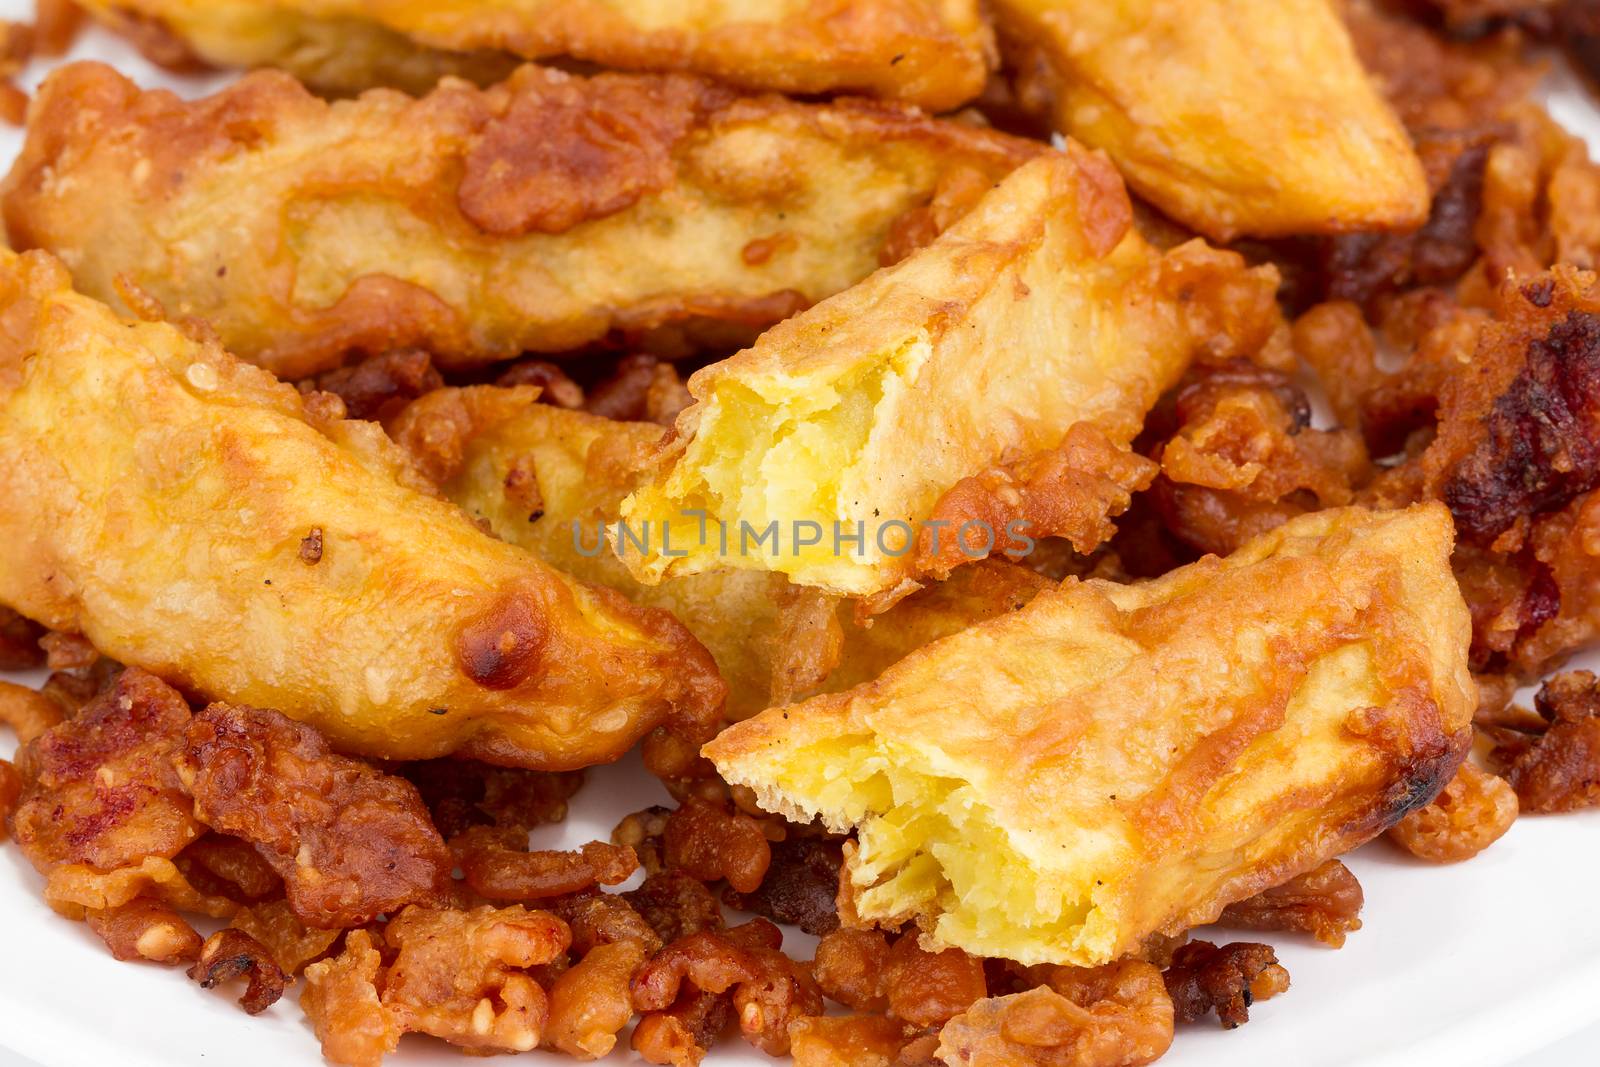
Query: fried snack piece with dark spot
<point>676,905</point>
<point>1228,980</point>
<point>379,386</point>
<point>349,841</point>
<point>592,1001</point>
<point>341,999</point>
<point>100,789</point>
<point>464,793</point>
<point>450,964</point>
<point>28,712</point>
<point>144,929</point>
<point>643,832</point>
<point>711,843</point>
<point>229,954</point>
<point>1474,811</point>
<point>226,866</point>
<point>19,642</point>
<point>1325,903</point>
<point>1073,491</point>
<point>1553,761</point>
<point>476,241</point>
<point>597,918</point>
<point>682,1034</point>
<point>275,926</point>
<point>769,990</point>
<point>1244,459</point>
<point>498,866</point>
<point>800,887</point>
<point>1118,1015</point>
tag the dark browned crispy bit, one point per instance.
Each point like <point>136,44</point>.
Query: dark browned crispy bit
<point>1553,761</point>
<point>676,905</point>
<point>643,831</point>
<point>800,888</point>
<point>292,943</point>
<point>10,791</point>
<point>379,386</point>
<point>144,929</point>
<point>225,866</point>
<point>100,789</point>
<point>349,841</point>
<point>497,866</point>
<point>769,989</point>
<point>1204,978</point>
<point>642,388</point>
<point>555,387</point>
<point>463,793</point>
<point>598,918</point>
<point>713,844</point>
<point>229,954</point>
<point>1325,902</point>
<point>19,642</point>
<point>681,1034</point>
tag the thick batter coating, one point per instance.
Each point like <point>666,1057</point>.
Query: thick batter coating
<point>1232,116</point>
<point>544,214</point>
<point>156,496</point>
<point>841,428</point>
<point>546,478</point>
<point>1124,760</point>
<point>935,53</point>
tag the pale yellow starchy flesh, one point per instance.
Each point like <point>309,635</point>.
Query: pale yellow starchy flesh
<point>1115,761</point>
<point>934,53</point>
<point>1041,308</point>
<point>581,466</point>
<point>477,223</point>
<point>189,515</point>
<point>1234,117</point>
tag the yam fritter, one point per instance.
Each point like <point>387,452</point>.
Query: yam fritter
<point>544,214</point>
<point>1040,309</point>
<point>935,53</point>
<point>157,496</point>
<point>1121,761</point>
<point>1232,117</point>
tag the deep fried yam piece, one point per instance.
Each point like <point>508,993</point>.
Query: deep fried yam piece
<point>1262,122</point>
<point>276,927</point>
<point>1118,1015</point>
<point>147,930</point>
<point>1091,715</point>
<point>540,215</point>
<point>341,999</point>
<point>1073,491</point>
<point>496,871</point>
<point>1553,763</point>
<point>799,888</point>
<point>141,463</point>
<point>349,841</point>
<point>1228,980</point>
<point>1325,903</point>
<point>786,448</point>
<point>1472,813</point>
<point>769,990</point>
<point>463,976</point>
<point>592,1001</point>
<point>19,642</point>
<point>936,55</point>
<point>100,789</point>
<point>230,954</point>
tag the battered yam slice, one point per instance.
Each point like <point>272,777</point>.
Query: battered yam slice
<point>1040,309</point>
<point>547,479</point>
<point>935,53</point>
<point>542,214</point>
<point>1232,116</point>
<point>156,496</point>
<point>1115,761</point>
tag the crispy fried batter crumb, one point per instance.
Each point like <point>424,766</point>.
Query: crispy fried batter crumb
<point>144,929</point>
<point>1474,811</point>
<point>1325,902</point>
<point>229,954</point>
<point>1553,762</point>
<point>1228,980</point>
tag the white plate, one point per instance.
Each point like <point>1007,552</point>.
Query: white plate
<point>1472,965</point>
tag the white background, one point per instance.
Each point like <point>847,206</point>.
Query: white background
<point>1477,964</point>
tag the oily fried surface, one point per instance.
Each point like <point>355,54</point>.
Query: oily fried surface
<point>100,789</point>
<point>349,841</point>
<point>1262,121</point>
<point>1325,902</point>
<point>144,929</point>
<point>233,954</point>
<point>1339,702</point>
<point>543,214</point>
<point>147,470</point>
<point>788,432</point>
<point>935,54</point>
<point>1469,815</point>
<point>1227,980</point>
<point>1553,760</point>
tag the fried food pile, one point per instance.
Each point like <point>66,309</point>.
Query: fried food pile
<point>1060,478</point>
